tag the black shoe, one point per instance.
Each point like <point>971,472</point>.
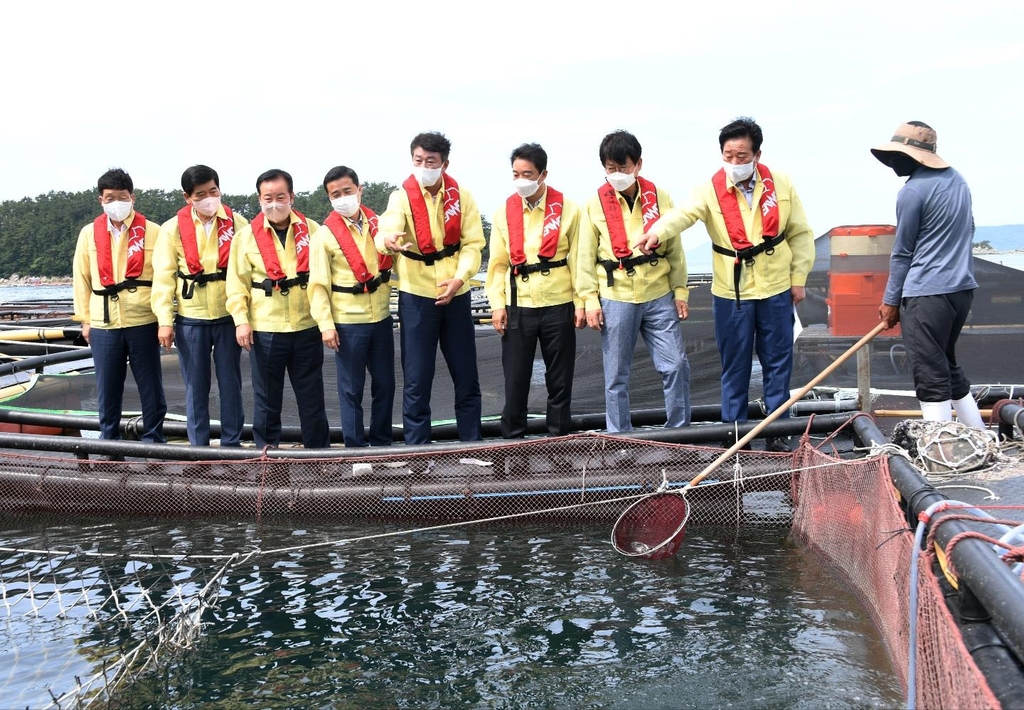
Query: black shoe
<point>778,444</point>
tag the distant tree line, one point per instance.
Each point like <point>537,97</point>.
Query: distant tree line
<point>38,235</point>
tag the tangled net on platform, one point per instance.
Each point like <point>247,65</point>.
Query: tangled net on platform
<point>946,449</point>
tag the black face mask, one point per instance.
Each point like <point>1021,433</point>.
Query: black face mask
<point>902,164</point>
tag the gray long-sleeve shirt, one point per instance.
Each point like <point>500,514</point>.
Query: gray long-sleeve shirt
<point>934,236</point>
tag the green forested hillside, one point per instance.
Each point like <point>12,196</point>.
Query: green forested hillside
<point>38,235</point>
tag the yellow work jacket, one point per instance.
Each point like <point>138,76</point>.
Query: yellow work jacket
<point>209,301</point>
<point>649,281</point>
<point>328,266</point>
<point>416,277</point>
<point>275,313</point>
<point>539,289</point>
<point>131,308</point>
<point>771,274</point>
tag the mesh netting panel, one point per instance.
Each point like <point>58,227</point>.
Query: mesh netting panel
<point>575,477</point>
<point>947,676</point>
<point>850,516</point>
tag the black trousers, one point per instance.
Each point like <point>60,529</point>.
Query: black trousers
<point>931,326</point>
<point>552,326</point>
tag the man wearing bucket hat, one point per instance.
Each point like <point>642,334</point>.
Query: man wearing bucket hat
<point>931,270</point>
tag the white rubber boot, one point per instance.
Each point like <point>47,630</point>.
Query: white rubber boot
<point>936,411</point>
<point>967,412</point>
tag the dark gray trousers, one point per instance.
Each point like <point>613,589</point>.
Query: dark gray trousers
<point>931,326</point>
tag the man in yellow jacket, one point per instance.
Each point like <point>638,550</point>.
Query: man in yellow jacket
<point>190,264</point>
<point>530,289</point>
<point>112,276</point>
<point>433,228</point>
<point>763,250</point>
<point>350,299</point>
<point>626,293</point>
<point>268,272</point>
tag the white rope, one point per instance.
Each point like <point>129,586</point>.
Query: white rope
<point>991,494</point>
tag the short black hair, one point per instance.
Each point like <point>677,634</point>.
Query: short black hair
<point>533,153</point>
<point>620,146</point>
<point>198,175</point>
<point>432,142</point>
<point>115,179</point>
<point>275,174</point>
<point>742,127</point>
<point>339,172</point>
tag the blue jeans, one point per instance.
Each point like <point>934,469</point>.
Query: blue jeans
<point>197,340</point>
<point>763,325</point>
<point>113,350</point>
<point>301,355</point>
<point>658,323</point>
<point>424,325</point>
<point>366,347</point>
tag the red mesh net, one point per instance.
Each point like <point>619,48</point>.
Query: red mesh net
<point>947,676</point>
<point>847,512</point>
<point>652,528</point>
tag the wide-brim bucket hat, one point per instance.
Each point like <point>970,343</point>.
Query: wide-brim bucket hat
<point>917,141</point>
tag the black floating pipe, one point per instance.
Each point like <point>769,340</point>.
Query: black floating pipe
<point>643,417</point>
<point>40,361</point>
<point>978,567</point>
<point>1011,416</point>
<point>132,428</point>
<point>697,435</point>
<point>990,394</point>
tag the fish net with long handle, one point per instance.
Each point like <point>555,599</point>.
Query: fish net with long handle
<point>653,527</point>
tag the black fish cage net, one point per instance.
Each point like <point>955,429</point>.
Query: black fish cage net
<point>577,477</point>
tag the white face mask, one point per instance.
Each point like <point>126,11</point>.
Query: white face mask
<point>621,181</point>
<point>739,173</point>
<point>346,205</point>
<point>426,176</point>
<point>525,187</point>
<point>276,211</point>
<point>208,206</point>
<point>117,211</point>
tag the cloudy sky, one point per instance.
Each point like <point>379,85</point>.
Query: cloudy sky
<point>244,86</point>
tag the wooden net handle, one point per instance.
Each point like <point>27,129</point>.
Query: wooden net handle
<point>787,404</point>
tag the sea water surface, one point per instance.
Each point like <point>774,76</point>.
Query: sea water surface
<point>504,616</point>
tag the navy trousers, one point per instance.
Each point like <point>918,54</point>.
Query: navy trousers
<point>362,348</point>
<point>552,327</point>
<point>931,327</point>
<point>197,341</point>
<point>424,326</point>
<point>764,326</point>
<point>301,355</point>
<point>113,350</point>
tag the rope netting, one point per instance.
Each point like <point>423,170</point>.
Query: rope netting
<point>131,615</point>
<point>153,605</point>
